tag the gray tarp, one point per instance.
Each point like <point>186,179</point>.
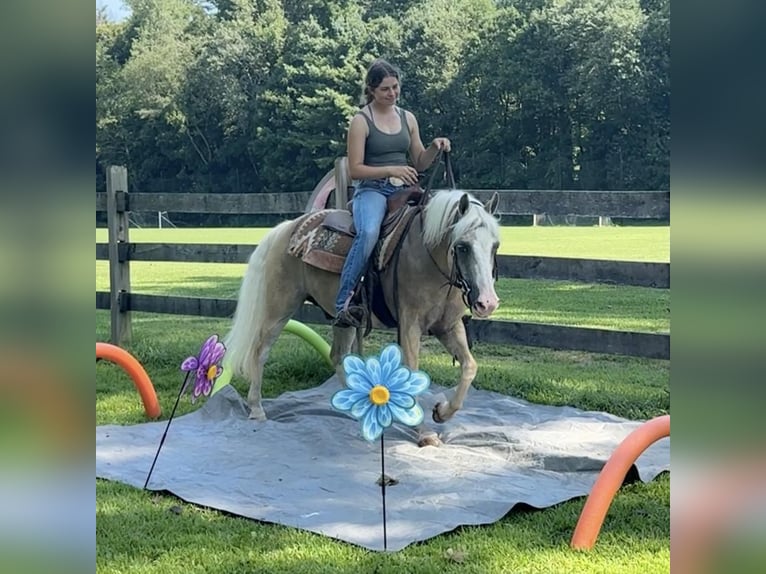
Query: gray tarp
<point>309,467</point>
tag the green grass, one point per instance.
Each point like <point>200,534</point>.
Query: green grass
<point>143,533</point>
<point>613,243</point>
<point>138,532</point>
<point>556,302</point>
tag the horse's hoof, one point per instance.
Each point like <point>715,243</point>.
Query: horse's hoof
<point>430,439</point>
<point>258,415</point>
<point>436,414</point>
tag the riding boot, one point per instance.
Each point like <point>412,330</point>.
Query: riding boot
<point>349,316</point>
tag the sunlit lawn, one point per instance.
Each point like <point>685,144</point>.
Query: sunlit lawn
<point>138,532</point>
<point>613,243</point>
<point>556,302</point>
<point>141,532</point>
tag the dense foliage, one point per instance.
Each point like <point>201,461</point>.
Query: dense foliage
<point>255,95</point>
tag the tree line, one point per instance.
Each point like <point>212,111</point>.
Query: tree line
<point>255,95</point>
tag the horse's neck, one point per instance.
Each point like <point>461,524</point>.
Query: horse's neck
<point>440,251</point>
<point>433,260</point>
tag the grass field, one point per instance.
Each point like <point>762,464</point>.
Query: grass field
<point>558,302</point>
<point>614,243</point>
<point>138,532</point>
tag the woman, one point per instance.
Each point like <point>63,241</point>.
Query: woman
<point>379,138</point>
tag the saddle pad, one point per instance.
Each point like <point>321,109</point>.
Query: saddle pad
<point>318,246</point>
<point>326,248</point>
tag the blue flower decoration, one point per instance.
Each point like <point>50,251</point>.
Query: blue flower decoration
<point>381,391</point>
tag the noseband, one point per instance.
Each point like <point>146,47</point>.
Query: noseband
<point>457,278</point>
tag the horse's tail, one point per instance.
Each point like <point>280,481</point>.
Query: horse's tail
<point>242,352</point>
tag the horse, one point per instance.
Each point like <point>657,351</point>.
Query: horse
<point>446,263</point>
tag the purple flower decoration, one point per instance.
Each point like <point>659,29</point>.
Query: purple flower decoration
<point>207,365</point>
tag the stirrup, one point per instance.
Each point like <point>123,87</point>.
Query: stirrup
<point>349,317</point>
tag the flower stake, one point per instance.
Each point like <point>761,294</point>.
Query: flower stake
<point>207,366</point>
<point>380,391</point>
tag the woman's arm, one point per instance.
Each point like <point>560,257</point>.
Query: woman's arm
<point>422,158</point>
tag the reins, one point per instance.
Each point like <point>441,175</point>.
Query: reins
<point>455,279</point>
<point>448,173</point>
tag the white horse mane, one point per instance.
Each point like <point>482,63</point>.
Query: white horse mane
<point>441,211</point>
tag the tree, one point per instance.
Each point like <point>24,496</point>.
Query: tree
<point>224,92</point>
<point>311,96</point>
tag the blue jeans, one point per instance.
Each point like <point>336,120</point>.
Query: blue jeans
<point>369,209</point>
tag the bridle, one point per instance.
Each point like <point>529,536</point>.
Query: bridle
<point>456,278</point>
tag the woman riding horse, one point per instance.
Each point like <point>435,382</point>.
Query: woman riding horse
<point>445,261</point>
<point>379,137</point>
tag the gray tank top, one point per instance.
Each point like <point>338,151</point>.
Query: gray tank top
<point>381,148</point>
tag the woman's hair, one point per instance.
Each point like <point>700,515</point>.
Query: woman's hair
<point>378,71</point>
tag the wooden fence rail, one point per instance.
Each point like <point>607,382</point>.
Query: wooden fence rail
<point>120,252</point>
<point>634,204</point>
<point>648,345</point>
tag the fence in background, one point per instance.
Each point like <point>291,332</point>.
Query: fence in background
<point>119,251</point>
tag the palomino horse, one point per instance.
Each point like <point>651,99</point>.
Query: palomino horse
<point>445,264</point>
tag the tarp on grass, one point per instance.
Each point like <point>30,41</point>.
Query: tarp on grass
<point>308,466</point>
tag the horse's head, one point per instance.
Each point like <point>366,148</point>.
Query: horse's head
<point>473,237</point>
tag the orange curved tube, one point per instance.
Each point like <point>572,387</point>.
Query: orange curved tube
<point>611,477</point>
<point>136,372</point>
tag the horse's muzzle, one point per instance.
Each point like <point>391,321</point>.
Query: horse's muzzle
<point>484,305</point>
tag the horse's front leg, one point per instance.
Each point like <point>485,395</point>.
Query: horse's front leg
<point>342,344</point>
<point>456,342</point>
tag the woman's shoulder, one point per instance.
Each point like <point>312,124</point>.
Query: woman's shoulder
<point>409,117</point>
<point>361,114</point>
<point>359,123</point>
<point>359,117</point>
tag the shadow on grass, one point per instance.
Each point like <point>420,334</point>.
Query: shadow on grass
<point>557,302</point>
<point>160,533</point>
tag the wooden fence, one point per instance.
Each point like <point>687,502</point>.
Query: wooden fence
<point>119,251</point>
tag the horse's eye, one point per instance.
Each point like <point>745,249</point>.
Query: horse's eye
<point>461,247</point>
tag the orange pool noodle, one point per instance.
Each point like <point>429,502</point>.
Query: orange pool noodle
<point>135,371</point>
<point>611,478</point>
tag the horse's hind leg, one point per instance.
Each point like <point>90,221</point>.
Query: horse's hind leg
<point>456,342</point>
<point>272,289</point>
<point>260,354</point>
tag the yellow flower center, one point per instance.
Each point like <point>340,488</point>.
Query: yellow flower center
<point>212,372</point>
<point>379,395</point>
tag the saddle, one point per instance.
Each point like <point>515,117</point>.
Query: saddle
<point>323,238</point>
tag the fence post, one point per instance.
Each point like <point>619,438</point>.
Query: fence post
<point>342,181</point>
<point>119,264</point>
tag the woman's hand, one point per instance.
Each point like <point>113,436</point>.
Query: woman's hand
<point>441,143</point>
<point>406,173</point>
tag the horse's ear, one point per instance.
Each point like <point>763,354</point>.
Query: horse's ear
<point>491,205</point>
<point>462,207</point>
